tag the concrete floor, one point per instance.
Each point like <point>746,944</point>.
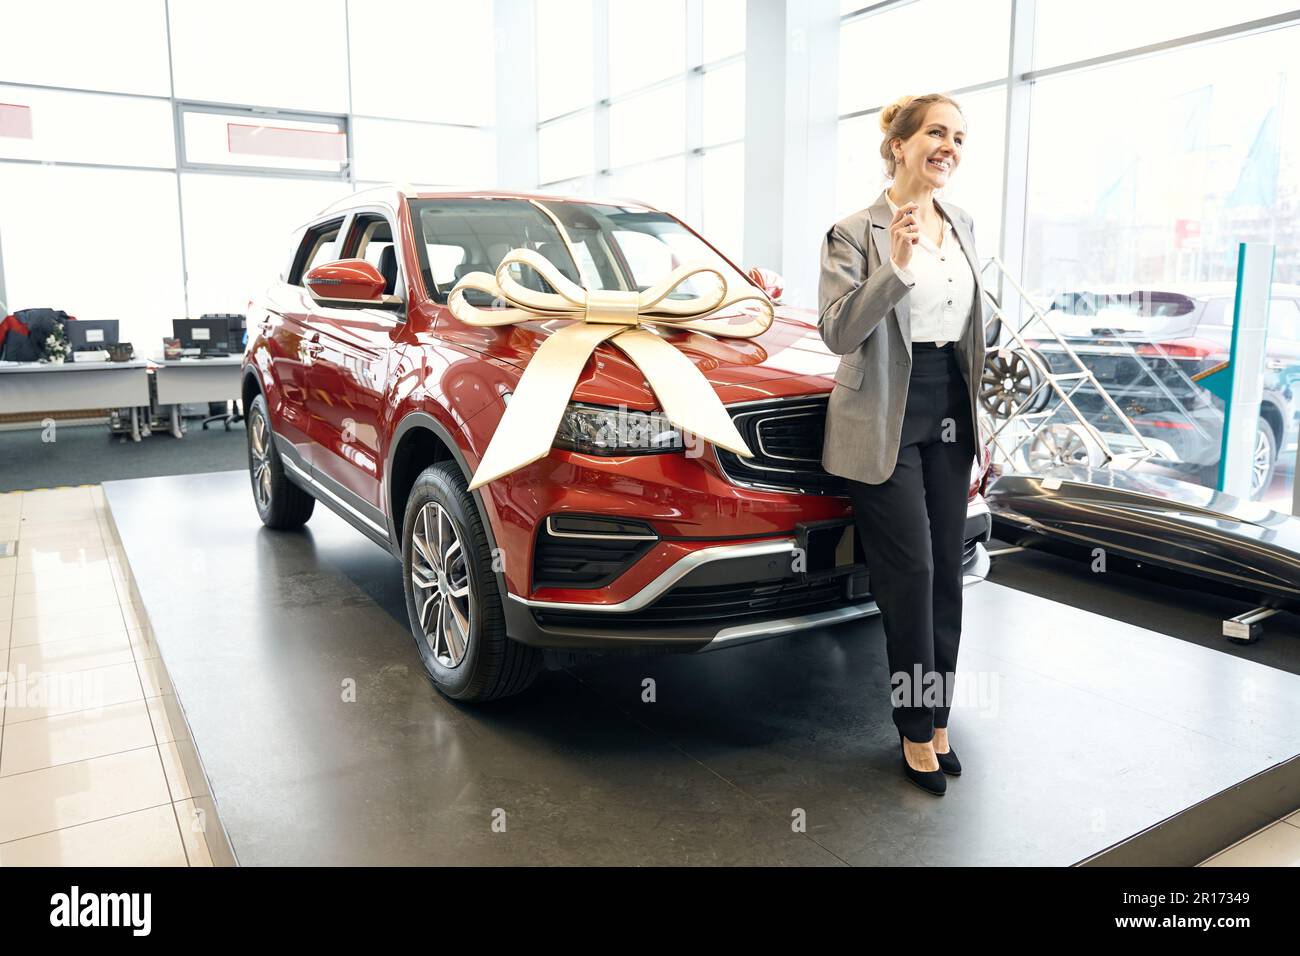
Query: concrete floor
<point>1077,731</point>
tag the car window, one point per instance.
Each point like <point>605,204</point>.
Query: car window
<point>608,246</point>
<point>318,246</point>
<point>370,237</point>
<point>646,256</point>
<point>443,260</point>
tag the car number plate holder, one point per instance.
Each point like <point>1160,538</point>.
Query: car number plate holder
<point>826,547</point>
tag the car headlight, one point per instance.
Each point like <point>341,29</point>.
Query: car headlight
<point>600,430</point>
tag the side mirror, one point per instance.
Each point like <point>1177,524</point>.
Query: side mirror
<point>769,281</point>
<point>351,283</point>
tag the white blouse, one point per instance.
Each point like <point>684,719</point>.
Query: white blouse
<point>943,286</point>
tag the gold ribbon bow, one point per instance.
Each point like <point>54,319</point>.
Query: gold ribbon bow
<point>527,429</point>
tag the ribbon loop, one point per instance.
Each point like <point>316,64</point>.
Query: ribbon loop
<point>526,431</point>
<point>619,308</point>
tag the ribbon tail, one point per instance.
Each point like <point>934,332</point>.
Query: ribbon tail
<point>526,431</point>
<point>688,399</point>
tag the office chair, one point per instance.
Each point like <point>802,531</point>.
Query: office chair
<point>227,413</point>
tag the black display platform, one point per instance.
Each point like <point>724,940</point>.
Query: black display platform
<point>1084,740</point>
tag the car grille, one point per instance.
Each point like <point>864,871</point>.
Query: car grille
<point>786,438</point>
<point>708,605</point>
<point>684,606</point>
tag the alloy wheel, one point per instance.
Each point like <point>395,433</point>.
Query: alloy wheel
<point>1261,463</point>
<point>1059,445</point>
<point>440,583</point>
<point>260,449</point>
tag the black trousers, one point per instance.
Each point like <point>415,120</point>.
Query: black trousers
<point>911,529</point>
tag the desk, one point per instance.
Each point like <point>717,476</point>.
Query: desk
<point>36,387</point>
<point>196,380</point>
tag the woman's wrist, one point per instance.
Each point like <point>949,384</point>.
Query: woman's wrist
<point>903,273</point>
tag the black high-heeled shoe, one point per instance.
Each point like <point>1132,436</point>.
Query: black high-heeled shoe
<point>948,762</point>
<point>931,781</point>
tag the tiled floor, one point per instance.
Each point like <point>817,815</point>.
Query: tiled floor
<point>1276,845</point>
<point>90,765</point>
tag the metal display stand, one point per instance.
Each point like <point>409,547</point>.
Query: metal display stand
<point>1027,422</point>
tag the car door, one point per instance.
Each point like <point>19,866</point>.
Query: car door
<point>346,379</point>
<point>284,327</point>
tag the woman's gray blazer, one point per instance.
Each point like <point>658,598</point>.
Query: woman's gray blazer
<point>863,316</point>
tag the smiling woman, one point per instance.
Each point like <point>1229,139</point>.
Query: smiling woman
<point>902,424</point>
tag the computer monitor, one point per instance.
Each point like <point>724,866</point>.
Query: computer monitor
<point>86,335</point>
<point>209,336</point>
<point>235,321</point>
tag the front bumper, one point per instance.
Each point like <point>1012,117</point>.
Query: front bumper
<point>721,596</point>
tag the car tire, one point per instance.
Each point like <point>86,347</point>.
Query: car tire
<point>281,504</point>
<point>1264,460</point>
<point>452,599</point>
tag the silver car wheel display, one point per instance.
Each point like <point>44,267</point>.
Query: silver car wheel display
<point>440,584</point>
<point>1057,445</point>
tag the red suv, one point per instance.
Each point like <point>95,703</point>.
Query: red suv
<point>362,391</point>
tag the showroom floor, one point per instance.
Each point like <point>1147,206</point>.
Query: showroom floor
<point>90,768</point>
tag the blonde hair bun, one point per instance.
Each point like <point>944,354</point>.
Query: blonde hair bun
<point>889,112</point>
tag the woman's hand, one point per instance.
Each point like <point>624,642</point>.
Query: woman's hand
<point>904,232</point>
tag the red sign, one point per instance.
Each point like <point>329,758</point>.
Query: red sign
<point>15,121</point>
<point>1187,233</point>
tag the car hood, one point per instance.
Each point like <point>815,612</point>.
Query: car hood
<point>789,358</point>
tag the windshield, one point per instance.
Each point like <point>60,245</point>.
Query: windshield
<point>614,247</point>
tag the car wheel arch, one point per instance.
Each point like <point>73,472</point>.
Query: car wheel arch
<point>421,440</point>
<point>1273,415</point>
<point>249,388</point>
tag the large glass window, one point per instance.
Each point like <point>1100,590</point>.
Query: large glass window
<point>89,128</point>
<point>564,148</point>
<point>253,141</point>
<point>398,151</point>
<point>724,104</point>
<point>648,126</point>
<point>1191,156</point>
<point>565,72</point>
<point>1066,31</point>
<point>647,43</point>
<point>451,79</point>
<point>1162,186</point>
<point>61,43</point>
<point>927,46</point>
<point>724,28</point>
<point>96,243</point>
<point>291,54</point>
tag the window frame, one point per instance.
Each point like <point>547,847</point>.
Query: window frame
<point>351,239</point>
<point>302,257</point>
